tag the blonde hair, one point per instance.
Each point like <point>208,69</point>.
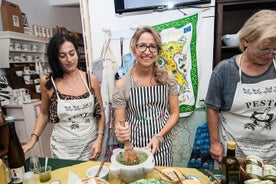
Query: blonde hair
<point>161,75</point>
<point>259,28</point>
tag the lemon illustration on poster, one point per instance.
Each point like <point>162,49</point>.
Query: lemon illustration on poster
<point>179,56</point>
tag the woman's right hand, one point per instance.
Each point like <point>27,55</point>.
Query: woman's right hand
<point>123,132</point>
<point>217,151</point>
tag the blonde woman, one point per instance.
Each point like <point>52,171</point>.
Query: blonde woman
<point>146,98</point>
<point>241,96</point>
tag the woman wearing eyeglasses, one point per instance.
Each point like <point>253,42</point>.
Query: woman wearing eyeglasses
<point>145,100</point>
<point>241,99</point>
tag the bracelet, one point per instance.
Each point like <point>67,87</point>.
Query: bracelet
<point>100,132</point>
<point>36,136</point>
<point>161,139</point>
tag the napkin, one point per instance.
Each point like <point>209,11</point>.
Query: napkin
<point>74,179</point>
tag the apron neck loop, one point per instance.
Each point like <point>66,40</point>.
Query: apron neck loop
<point>239,64</point>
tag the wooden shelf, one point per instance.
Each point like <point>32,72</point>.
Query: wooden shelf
<point>18,82</point>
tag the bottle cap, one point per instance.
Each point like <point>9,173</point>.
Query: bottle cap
<point>231,145</point>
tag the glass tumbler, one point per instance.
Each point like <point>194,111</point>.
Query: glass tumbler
<point>34,164</point>
<point>45,174</point>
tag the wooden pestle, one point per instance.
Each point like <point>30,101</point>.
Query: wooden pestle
<point>131,157</point>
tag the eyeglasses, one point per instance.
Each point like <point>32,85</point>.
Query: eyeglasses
<point>266,51</point>
<point>143,47</point>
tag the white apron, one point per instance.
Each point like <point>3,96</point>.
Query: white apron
<point>251,120</point>
<point>73,135</point>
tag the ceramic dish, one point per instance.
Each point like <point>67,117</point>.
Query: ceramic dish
<point>231,39</point>
<point>91,172</point>
<point>131,173</point>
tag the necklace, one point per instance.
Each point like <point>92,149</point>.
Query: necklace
<point>72,87</point>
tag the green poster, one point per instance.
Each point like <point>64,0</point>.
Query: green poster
<point>179,38</point>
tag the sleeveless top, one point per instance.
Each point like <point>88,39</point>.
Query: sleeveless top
<point>52,109</point>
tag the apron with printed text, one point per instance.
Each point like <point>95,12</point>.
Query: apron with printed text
<point>147,114</point>
<point>251,120</point>
<point>73,135</point>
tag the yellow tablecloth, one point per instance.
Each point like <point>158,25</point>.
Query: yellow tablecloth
<point>80,170</point>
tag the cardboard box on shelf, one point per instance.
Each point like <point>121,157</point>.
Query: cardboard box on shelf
<point>11,17</point>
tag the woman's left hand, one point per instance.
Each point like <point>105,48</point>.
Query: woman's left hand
<point>153,145</point>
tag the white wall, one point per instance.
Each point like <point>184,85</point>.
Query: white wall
<point>63,2</point>
<point>102,15</point>
<point>40,12</point>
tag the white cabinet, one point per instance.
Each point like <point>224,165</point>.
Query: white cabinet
<point>25,118</point>
<point>21,48</point>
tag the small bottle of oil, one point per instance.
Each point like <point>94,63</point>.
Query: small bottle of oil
<point>230,166</point>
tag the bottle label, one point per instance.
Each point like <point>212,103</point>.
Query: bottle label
<point>254,170</point>
<point>234,177</point>
<point>269,170</point>
<point>17,174</point>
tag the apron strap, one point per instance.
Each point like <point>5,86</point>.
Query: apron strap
<point>239,63</point>
<point>86,83</point>
<point>55,87</point>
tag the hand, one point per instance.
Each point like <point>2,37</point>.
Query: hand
<point>153,145</point>
<point>96,150</point>
<point>29,145</point>
<point>217,151</point>
<point>123,132</point>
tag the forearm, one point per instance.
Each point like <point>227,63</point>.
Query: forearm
<point>171,122</point>
<point>213,125</point>
<point>120,117</point>
<point>41,123</point>
<point>101,128</point>
<point>174,116</point>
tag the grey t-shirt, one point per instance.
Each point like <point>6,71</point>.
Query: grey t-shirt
<point>223,83</point>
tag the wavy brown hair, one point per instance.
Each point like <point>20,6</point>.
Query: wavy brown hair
<point>160,75</point>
